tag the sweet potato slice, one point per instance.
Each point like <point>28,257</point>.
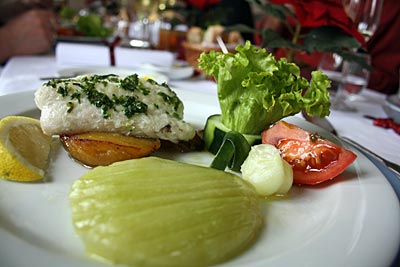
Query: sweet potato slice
<point>101,148</point>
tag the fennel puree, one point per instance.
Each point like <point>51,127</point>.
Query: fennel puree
<point>175,214</point>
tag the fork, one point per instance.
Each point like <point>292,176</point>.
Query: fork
<point>325,124</point>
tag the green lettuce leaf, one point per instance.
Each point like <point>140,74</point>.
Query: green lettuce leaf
<point>255,90</point>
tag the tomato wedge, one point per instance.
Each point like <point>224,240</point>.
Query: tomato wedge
<point>314,159</point>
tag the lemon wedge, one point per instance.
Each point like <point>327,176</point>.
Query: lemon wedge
<point>24,149</point>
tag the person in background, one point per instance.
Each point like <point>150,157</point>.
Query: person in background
<point>384,49</point>
<point>27,27</point>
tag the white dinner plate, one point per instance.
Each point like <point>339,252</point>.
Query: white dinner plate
<point>351,221</point>
<point>178,70</point>
<point>75,71</point>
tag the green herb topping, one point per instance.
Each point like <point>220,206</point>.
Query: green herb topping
<point>90,87</point>
<point>314,137</point>
<point>70,106</point>
<point>130,83</point>
<point>173,100</point>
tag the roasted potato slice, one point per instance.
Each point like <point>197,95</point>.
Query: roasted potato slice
<point>195,144</point>
<point>101,148</point>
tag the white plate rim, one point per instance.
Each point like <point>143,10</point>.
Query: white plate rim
<point>374,232</point>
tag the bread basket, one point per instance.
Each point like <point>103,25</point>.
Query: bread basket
<point>193,51</point>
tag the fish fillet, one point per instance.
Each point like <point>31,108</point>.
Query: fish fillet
<point>108,103</point>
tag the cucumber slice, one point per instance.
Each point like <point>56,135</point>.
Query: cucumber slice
<point>215,131</point>
<point>232,153</point>
<point>265,169</point>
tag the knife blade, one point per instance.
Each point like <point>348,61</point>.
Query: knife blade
<point>321,122</point>
<point>390,165</point>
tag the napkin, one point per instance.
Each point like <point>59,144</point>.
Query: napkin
<point>21,73</point>
<point>136,57</point>
<point>78,54</point>
<point>83,54</point>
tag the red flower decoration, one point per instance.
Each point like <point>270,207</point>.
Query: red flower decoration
<point>202,4</point>
<point>314,13</point>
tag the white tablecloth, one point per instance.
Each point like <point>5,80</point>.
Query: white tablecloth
<point>23,73</point>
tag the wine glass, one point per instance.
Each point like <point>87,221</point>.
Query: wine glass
<point>355,77</point>
<point>144,12</point>
<point>331,65</point>
<point>365,13</point>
